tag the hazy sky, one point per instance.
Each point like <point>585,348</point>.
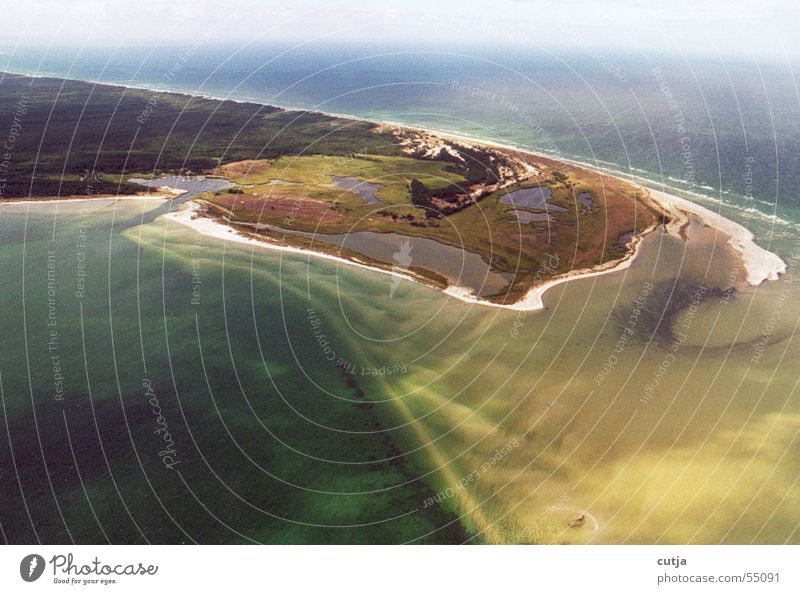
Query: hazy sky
<point>725,26</point>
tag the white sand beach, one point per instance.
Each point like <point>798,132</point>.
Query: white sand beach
<point>761,265</point>
<point>191,215</point>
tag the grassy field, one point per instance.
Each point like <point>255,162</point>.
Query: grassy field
<point>296,193</point>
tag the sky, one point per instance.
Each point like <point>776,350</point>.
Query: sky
<point>756,27</point>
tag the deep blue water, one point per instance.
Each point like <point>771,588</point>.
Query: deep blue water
<point>722,128</point>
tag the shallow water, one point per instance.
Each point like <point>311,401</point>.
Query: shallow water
<point>192,185</point>
<point>288,382</point>
<point>652,436</point>
<point>159,389</point>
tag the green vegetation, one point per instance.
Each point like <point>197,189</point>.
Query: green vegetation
<point>420,196</point>
<point>296,193</point>
<point>80,138</point>
<point>76,139</point>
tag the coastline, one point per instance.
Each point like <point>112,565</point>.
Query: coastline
<point>628,177</point>
<point>190,215</point>
<point>759,263</point>
<point>6,202</point>
<point>534,298</point>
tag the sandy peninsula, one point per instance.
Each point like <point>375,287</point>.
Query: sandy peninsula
<point>760,265</point>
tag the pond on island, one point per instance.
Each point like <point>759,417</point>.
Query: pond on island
<point>525,216</point>
<point>365,190</point>
<point>531,198</point>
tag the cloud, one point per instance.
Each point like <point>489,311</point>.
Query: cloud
<point>767,26</point>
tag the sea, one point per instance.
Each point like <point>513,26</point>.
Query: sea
<point>159,385</point>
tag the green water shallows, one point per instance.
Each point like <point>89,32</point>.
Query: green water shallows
<point>657,405</point>
<point>169,402</point>
<point>299,392</point>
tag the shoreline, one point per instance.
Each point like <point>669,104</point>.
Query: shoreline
<point>533,300</point>
<point>128,197</point>
<point>190,215</point>
<point>760,264</point>
<point>631,178</point>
